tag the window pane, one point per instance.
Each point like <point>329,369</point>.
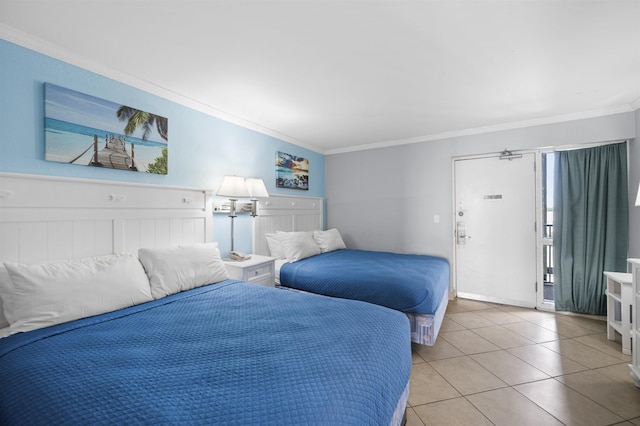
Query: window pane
<point>547,220</point>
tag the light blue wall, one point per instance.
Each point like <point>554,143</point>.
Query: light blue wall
<point>202,148</point>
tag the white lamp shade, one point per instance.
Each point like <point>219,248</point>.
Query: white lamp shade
<point>256,188</point>
<point>233,187</point>
<point>638,197</point>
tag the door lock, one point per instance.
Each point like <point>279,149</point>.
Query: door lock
<point>461,234</point>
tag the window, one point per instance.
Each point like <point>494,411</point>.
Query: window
<point>547,228</point>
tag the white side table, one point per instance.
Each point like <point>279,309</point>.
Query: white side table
<point>635,332</point>
<point>257,270</point>
<point>619,293</point>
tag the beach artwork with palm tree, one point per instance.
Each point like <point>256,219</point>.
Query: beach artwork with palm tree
<point>83,129</point>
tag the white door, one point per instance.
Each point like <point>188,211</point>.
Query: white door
<point>495,229</point>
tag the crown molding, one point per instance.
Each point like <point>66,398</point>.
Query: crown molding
<point>489,129</point>
<point>44,47</point>
<point>47,48</point>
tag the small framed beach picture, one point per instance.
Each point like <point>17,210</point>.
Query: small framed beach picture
<point>83,129</point>
<point>292,172</point>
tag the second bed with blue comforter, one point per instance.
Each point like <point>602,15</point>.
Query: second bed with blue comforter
<point>227,353</point>
<point>417,285</point>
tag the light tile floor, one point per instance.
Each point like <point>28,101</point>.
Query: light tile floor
<point>504,365</point>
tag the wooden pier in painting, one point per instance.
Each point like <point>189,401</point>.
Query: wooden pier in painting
<point>114,154</point>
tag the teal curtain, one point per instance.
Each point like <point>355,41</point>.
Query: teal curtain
<point>591,225</point>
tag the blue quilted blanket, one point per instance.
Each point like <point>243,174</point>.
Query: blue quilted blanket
<point>405,282</point>
<point>227,353</point>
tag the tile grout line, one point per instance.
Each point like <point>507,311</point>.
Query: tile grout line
<point>561,337</point>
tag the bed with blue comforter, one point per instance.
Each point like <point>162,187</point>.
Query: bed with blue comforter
<point>417,285</point>
<point>226,353</point>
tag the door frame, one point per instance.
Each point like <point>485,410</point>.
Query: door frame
<point>538,219</point>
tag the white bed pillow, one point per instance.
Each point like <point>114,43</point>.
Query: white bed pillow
<point>45,294</point>
<point>329,240</point>
<point>175,269</point>
<point>5,282</point>
<point>275,247</point>
<point>298,245</point>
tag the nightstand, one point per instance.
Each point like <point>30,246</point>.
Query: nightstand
<point>257,270</point>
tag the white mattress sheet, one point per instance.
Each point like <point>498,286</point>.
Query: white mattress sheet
<point>279,263</point>
<point>4,332</point>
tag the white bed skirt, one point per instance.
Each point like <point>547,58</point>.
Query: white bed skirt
<point>398,414</point>
<point>425,327</point>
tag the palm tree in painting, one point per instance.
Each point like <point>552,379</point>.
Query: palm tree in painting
<point>160,165</point>
<point>136,118</point>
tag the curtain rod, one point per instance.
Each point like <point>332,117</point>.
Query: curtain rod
<point>586,145</point>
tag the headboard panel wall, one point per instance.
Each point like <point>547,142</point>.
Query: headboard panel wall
<point>44,218</point>
<point>285,213</point>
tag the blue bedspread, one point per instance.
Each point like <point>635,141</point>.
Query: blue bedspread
<point>405,282</point>
<point>227,353</point>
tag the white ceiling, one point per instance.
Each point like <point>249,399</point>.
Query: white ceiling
<point>336,76</point>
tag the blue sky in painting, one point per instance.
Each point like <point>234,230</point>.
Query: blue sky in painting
<point>78,108</point>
